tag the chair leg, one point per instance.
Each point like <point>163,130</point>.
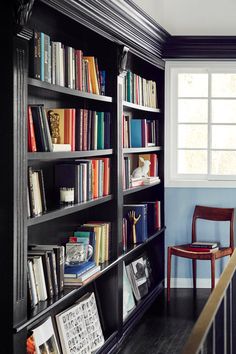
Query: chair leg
<point>168,273</point>
<point>212,273</point>
<point>194,266</point>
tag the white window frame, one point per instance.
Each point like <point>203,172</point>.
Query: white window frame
<point>172,69</point>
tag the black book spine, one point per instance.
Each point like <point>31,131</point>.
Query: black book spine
<point>42,190</point>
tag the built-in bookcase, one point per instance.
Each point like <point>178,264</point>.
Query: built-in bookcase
<point>73,26</point>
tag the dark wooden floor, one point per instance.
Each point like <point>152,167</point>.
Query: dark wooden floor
<point>164,329</point>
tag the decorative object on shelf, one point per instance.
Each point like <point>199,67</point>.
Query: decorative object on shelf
<point>123,61</point>
<point>143,170</point>
<point>77,253</point>
<point>67,196</point>
<point>133,220</point>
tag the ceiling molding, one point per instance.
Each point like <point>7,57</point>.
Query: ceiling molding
<point>200,47</point>
<point>121,21</point>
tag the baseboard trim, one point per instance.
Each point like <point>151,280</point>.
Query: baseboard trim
<point>188,282</point>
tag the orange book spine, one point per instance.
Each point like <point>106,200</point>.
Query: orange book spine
<point>95,178</point>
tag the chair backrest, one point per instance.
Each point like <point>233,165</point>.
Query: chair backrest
<point>214,214</point>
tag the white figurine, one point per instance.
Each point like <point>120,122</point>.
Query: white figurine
<point>142,171</point>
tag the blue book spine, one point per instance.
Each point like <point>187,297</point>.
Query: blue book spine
<point>136,133</point>
<point>141,225</point>
<point>76,270</point>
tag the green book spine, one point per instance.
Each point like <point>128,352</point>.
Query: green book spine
<point>100,140</point>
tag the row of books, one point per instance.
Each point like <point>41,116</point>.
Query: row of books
<point>137,281</point>
<point>91,241</point>
<point>58,64</point>
<point>78,326</point>
<point>129,165</point>
<point>67,129</point>
<point>45,265</point>
<point>140,221</point>
<point>140,132</point>
<point>89,178</point>
<point>139,90</point>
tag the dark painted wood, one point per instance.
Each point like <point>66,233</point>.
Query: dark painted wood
<point>200,47</point>
<point>20,180</point>
<point>141,108</point>
<point>67,91</point>
<point>42,156</point>
<point>119,21</point>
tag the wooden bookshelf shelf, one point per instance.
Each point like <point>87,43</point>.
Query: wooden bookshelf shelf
<point>139,246</point>
<point>68,154</point>
<point>67,91</point>
<point>140,188</point>
<point>44,307</point>
<point>63,211</point>
<point>140,108</point>
<point>141,150</point>
<point>142,306</point>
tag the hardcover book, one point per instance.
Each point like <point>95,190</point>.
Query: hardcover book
<point>141,225</point>
<point>79,327</point>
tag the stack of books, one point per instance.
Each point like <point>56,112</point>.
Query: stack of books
<point>80,274</point>
<point>203,246</point>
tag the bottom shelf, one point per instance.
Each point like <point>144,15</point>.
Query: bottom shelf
<point>141,308</point>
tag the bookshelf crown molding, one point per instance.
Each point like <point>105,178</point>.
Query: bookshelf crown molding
<point>22,10</point>
<point>120,21</point>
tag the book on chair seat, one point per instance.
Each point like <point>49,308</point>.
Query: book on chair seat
<point>201,249</point>
<point>204,244</point>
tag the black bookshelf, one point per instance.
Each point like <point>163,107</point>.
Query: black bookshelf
<point>140,108</point>
<point>62,20</point>
<point>68,154</point>
<point>140,188</point>
<point>142,150</point>
<point>67,210</point>
<point>66,91</point>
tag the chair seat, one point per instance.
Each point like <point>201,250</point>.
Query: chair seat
<point>183,251</point>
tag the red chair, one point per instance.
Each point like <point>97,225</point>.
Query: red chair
<point>205,213</point>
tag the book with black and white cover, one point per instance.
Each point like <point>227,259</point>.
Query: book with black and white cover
<point>79,327</point>
<point>137,277</point>
<point>128,298</point>
<point>44,338</point>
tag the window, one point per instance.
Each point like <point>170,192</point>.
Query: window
<point>200,124</point>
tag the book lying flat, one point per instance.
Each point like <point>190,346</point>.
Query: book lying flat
<point>201,249</point>
<point>76,270</point>
<point>205,244</point>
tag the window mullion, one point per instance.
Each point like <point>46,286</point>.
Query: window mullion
<point>209,155</point>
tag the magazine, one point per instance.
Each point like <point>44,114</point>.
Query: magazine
<point>128,298</point>
<point>43,339</point>
<point>79,327</point>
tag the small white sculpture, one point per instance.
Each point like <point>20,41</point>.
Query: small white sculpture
<point>142,171</point>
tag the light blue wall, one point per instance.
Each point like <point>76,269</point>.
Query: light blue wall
<point>179,206</point>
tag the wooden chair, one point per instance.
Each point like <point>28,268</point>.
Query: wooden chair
<point>205,213</point>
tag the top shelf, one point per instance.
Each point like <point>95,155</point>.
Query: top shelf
<point>67,91</point>
<point>140,108</point>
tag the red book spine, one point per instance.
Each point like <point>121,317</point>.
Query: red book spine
<point>199,249</point>
<point>31,135</point>
<point>153,166</point>
<point>85,130</point>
